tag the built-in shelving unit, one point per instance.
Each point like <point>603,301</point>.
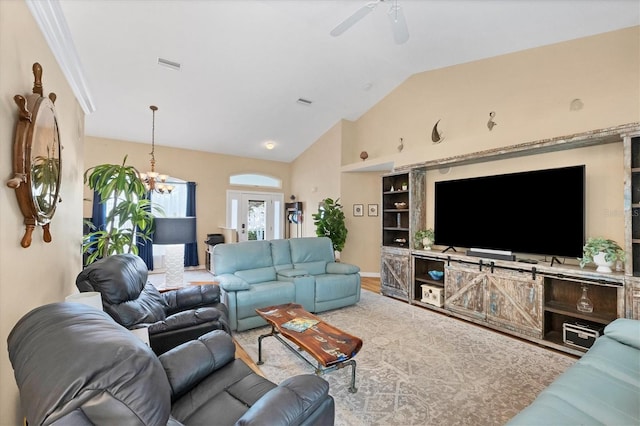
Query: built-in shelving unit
<point>528,301</point>
<point>395,210</point>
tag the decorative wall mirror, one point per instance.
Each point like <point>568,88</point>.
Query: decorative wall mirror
<point>36,159</point>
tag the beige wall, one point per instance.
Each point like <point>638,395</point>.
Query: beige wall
<point>210,171</point>
<point>530,92</point>
<point>42,273</point>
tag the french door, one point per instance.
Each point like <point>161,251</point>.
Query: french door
<point>255,215</point>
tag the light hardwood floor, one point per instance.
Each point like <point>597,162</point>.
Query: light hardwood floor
<point>367,283</point>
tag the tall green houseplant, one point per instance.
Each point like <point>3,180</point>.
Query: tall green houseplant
<point>329,222</point>
<point>129,218</point>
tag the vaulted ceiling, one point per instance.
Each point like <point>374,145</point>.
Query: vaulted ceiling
<point>245,63</point>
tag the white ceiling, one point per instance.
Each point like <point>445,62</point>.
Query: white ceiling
<point>246,62</point>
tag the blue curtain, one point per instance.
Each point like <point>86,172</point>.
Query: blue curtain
<point>191,249</point>
<point>98,212</point>
<point>145,248</point>
<point>98,219</point>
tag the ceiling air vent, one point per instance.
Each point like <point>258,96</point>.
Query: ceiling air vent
<point>303,101</point>
<point>169,64</point>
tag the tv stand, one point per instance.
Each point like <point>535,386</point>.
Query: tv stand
<point>528,301</point>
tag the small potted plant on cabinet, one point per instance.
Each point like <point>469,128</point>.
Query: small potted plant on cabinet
<point>424,238</point>
<point>601,251</point>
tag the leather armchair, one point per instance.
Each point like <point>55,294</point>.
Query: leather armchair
<point>74,365</point>
<point>171,318</point>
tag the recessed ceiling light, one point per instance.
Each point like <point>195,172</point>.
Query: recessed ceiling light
<point>269,145</point>
<point>169,64</point>
<point>303,101</point>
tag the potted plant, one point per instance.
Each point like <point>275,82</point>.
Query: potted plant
<point>601,251</point>
<point>424,238</point>
<point>330,223</point>
<point>130,216</point>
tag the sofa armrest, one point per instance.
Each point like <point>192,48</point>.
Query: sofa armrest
<point>184,319</point>
<point>342,268</point>
<point>188,364</point>
<point>295,399</point>
<point>191,297</point>
<point>624,330</point>
<point>230,282</point>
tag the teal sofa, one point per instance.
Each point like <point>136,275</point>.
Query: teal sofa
<point>602,388</point>
<point>257,274</point>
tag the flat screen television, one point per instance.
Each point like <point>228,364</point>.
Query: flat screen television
<point>536,212</point>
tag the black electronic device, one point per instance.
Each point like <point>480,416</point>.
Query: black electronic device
<point>534,212</point>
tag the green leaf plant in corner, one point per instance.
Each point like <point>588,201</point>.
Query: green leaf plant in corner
<point>330,223</point>
<point>130,216</point>
<point>612,251</point>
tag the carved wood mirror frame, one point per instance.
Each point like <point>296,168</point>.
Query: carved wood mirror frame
<point>36,159</point>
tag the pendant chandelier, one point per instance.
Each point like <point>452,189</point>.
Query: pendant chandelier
<point>153,180</point>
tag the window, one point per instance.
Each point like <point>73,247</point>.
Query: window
<point>256,180</point>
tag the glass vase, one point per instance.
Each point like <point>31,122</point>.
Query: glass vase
<point>584,303</point>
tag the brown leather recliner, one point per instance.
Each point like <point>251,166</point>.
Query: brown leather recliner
<point>172,318</point>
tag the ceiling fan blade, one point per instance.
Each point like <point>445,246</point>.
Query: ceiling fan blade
<point>353,19</point>
<point>398,24</point>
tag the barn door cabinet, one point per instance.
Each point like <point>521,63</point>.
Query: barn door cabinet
<point>504,299</point>
<point>395,272</point>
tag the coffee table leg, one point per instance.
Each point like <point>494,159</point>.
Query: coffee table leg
<point>352,387</point>
<point>273,332</point>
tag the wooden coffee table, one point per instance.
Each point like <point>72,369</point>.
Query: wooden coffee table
<point>331,347</point>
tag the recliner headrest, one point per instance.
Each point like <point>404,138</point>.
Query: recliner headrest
<point>119,278</point>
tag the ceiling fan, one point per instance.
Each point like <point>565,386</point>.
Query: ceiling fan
<point>396,17</point>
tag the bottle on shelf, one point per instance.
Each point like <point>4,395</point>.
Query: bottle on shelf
<point>584,303</point>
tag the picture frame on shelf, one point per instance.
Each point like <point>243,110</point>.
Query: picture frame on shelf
<point>372,210</point>
<point>358,209</point>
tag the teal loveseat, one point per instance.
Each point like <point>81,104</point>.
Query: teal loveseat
<point>257,274</point>
<point>602,388</point>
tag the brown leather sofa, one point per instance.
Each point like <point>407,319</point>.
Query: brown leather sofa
<point>74,365</point>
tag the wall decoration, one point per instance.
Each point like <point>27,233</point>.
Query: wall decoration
<point>401,146</point>
<point>364,155</point>
<point>436,136</point>
<point>576,105</point>
<point>36,159</point>
<point>358,209</point>
<point>491,123</point>
<point>372,210</point>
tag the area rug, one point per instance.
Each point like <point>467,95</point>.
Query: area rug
<point>419,367</point>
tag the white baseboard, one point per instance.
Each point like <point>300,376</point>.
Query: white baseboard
<point>370,274</point>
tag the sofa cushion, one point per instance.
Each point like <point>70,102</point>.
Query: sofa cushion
<point>147,308</point>
<point>257,275</point>
<point>207,354</point>
<point>311,249</point>
<point>281,254</point>
<point>229,258</point>
<point>222,398</point>
<point>332,287</point>
<point>263,295</point>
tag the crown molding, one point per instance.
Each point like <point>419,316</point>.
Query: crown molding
<point>49,17</point>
